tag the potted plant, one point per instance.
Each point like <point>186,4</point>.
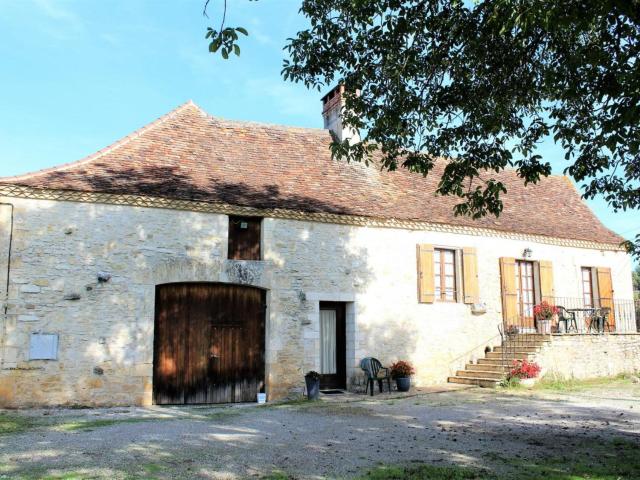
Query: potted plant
<point>526,372</point>
<point>312,379</point>
<point>512,331</point>
<point>401,371</point>
<point>543,313</point>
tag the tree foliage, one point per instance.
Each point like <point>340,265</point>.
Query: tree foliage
<point>483,83</point>
<point>636,279</point>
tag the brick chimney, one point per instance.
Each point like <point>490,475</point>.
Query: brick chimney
<point>332,106</point>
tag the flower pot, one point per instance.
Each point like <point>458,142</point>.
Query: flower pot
<point>313,388</point>
<point>527,382</point>
<point>403,384</point>
<point>544,326</point>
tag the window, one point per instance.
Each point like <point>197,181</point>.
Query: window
<point>244,238</point>
<point>587,287</point>
<point>525,292</point>
<point>444,262</point>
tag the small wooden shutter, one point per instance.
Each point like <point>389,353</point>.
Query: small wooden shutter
<point>605,291</point>
<point>547,292</point>
<point>470,275</point>
<point>508,284</point>
<point>426,289</point>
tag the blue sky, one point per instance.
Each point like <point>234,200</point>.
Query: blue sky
<point>76,75</point>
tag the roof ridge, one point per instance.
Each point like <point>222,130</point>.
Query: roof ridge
<point>111,147</point>
<point>251,123</point>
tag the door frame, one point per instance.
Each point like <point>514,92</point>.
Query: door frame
<point>263,344</point>
<point>337,381</point>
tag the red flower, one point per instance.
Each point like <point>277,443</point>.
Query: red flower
<point>544,310</point>
<point>402,369</point>
<point>524,369</point>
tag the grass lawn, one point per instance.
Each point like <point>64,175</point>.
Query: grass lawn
<point>620,460</point>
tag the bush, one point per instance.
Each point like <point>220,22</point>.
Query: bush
<point>402,369</point>
<point>524,369</point>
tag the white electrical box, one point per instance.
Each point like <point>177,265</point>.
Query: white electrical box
<point>43,346</point>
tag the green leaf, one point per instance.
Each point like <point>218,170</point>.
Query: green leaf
<point>236,50</point>
<point>242,31</point>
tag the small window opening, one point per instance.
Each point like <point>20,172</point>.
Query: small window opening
<point>244,238</point>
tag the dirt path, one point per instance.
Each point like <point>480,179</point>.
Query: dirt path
<point>495,431</point>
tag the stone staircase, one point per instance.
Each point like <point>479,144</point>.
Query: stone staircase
<point>490,370</point>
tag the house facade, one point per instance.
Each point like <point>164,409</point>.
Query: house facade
<point>201,261</point>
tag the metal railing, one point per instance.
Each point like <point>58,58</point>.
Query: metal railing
<point>621,316</point>
<point>522,336</point>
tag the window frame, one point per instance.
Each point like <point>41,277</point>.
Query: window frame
<point>592,297</point>
<point>520,304</point>
<point>235,246</point>
<point>441,251</point>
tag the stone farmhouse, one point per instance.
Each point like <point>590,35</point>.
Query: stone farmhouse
<point>200,260</point>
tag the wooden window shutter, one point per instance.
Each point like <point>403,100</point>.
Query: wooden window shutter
<point>426,288</point>
<point>470,275</point>
<point>547,291</point>
<point>605,291</point>
<point>508,285</point>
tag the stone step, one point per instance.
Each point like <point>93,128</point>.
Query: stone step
<point>510,355</point>
<point>480,382</point>
<point>480,374</point>
<point>495,361</point>
<point>530,336</point>
<point>519,348</point>
<point>487,367</point>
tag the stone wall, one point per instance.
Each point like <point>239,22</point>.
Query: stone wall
<point>59,248</point>
<point>590,356</point>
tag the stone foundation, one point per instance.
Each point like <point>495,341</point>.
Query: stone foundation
<point>590,356</point>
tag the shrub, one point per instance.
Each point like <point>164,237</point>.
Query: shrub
<point>402,369</point>
<point>510,382</point>
<point>312,374</point>
<point>524,369</point>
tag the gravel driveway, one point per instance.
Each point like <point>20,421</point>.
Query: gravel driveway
<point>472,427</point>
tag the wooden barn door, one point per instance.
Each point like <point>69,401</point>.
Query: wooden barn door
<point>209,343</point>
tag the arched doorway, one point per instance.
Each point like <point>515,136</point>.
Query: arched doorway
<point>208,343</point>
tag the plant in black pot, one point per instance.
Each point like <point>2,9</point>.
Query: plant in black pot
<point>401,371</point>
<point>312,380</point>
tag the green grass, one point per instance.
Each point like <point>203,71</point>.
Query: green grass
<point>14,424</point>
<point>558,384</point>
<point>614,460</point>
<point>419,472</point>
<point>82,425</point>
<point>277,475</point>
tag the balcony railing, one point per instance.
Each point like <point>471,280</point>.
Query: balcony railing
<point>621,317</point>
<point>617,316</point>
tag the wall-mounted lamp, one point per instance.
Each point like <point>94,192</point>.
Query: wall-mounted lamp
<point>526,253</point>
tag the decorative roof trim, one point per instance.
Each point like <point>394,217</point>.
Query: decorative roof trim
<point>19,191</point>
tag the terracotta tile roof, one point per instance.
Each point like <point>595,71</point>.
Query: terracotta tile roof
<point>187,154</point>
